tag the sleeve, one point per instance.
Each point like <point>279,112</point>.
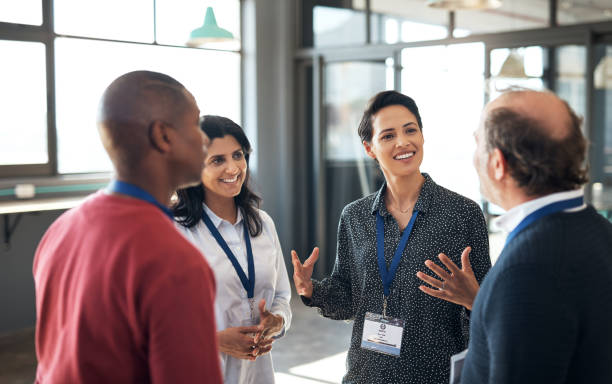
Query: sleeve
<point>282,292</point>
<point>530,331</point>
<point>182,337</point>
<point>333,296</point>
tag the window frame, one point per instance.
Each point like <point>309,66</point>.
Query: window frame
<point>47,173</point>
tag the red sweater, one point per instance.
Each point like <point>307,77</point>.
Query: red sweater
<point>122,297</point>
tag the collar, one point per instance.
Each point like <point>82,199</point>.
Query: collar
<point>422,204</point>
<point>217,221</point>
<point>508,221</point>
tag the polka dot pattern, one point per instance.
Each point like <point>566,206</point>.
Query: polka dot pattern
<point>434,329</point>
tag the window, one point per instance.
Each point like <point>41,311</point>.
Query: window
<point>107,19</point>
<point>512,15</point>
<point>92,43</point>
<point>23,103</point>
<point>21,11</point>
<point>450,108</point>
<point>212,77</point>
<point>412,21</point>
<point>338,26</point>
<point>583,11</point>
<point>516,67</point>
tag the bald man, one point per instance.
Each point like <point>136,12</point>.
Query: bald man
<point>544,311</point>
<point>121,296</point>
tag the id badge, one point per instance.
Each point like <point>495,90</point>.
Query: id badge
<point>382,334</point>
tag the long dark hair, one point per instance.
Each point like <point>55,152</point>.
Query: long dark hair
<point>189,206</point>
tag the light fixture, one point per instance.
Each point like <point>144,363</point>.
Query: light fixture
<point>209,32</point>
<point>464,4</point>
<point>513,67</point>
<point>602,76</point>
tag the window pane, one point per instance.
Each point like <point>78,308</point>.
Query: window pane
<point>450,109</point>
<point>23,103</point>
<point>512,15</point>
<point>571,76</point>
<point>602,119</point>
<point>583,11</point>
<point>338,26</point>
<point>517,67</point>
<point>110,19</point>
<point>344,105</point>
<point>413,21</point>
<point>213,77</point>
<point>21,11</point>
<point>174,23</point>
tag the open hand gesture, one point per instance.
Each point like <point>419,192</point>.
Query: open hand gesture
<point>302,273</point>
<point>459,286</point>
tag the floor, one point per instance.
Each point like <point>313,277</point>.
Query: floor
<point>313,351</point>
<point>17,357</point>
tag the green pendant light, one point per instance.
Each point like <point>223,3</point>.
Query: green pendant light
<point>209,32</point>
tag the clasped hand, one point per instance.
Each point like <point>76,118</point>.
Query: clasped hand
<point>251,341</point>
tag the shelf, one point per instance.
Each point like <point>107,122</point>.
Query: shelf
<point>38,205</point>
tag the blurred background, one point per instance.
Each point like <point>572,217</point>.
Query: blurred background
<point>296,74</point>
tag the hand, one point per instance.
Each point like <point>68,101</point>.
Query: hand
<point>459,287</point>
<point>239,342</point>
<point>302,273</point>
<point>270,325</point>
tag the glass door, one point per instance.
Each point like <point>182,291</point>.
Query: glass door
<point>344,172</point>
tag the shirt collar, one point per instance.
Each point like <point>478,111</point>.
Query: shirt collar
<point>422,204</point>
<point>217,221</point>
<point>509,220</point>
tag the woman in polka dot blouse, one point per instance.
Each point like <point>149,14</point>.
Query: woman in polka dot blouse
<point>410,334</point>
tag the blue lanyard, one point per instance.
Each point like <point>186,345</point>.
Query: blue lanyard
<point>247,282</point>
<point>388,276</point>
<point>131,190</point>
<point>546,210</point>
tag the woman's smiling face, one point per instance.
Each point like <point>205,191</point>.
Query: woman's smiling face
<point>226,167</point>
<point>397,141</point>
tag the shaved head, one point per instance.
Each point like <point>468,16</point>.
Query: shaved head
<point>129,106</point>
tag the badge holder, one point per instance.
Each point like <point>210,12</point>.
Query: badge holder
<point>382,334</point>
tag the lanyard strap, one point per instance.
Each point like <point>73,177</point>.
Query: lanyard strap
<point>118,186</point>
<point>247,282</point>
<point>388,276</point>
<point>546,210</point>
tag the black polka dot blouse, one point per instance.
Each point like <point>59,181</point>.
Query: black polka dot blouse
<point>434,329</point>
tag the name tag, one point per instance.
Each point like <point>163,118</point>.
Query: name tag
<point>382,334</point>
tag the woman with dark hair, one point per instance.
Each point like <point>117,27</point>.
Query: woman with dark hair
<point>402,333</point>
<point>239,241</point>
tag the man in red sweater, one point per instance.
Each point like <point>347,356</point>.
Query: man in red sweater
<point>121,296</point>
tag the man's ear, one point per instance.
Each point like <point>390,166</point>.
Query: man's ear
<point>498,164</point>
<point>160,136</point>
<point>368,148</point>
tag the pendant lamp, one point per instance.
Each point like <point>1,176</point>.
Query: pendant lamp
<point>209,32</point>
<point>513,67</point>
<point>464,4</point>
<point>603,73</point>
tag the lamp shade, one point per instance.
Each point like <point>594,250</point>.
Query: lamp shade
<point>513,67</point>
<point>209,32</point>
<point>603,73</point>
<point>464,4</point>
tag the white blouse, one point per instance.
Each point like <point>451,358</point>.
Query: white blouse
<point>232,307</point>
